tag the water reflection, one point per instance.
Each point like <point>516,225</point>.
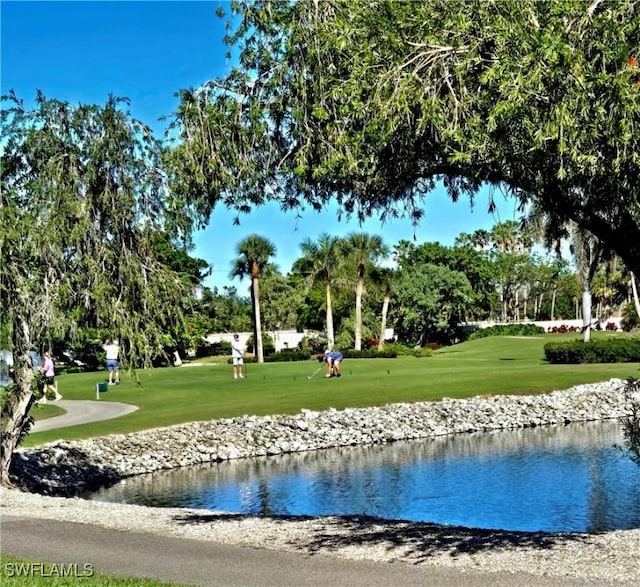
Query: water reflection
<point>570,478</point>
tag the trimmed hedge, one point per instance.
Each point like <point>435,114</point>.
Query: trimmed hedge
<point>289,355</point>
<point>606,350</point>
<point>370,354</point>
<point>293,355</point>
<point>507,330</point>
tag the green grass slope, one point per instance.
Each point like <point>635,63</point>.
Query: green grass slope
<point>495,365</point>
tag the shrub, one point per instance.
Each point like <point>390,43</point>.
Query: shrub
<point>370,354</point>
<point>562,328</point>
<point>402,350</point>
<point>605,350</point>
<point>287,355</point>
<point>630,319</point>
<point>507,330</point>
<point>268,347</point>
<point>85,349</point>
<point>204,348</point>
<point>222,347</point>
<point>313,344</point>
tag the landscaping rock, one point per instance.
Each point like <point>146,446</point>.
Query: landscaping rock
<point>71,468</point>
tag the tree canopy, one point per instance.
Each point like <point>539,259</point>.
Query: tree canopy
<point>374,103</point>
<point>82,195</point>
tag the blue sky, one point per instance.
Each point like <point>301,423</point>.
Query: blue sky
<point>149,50</point>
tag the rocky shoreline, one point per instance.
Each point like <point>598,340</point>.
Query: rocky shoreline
<point>606,558</point>
<point>71,467</point>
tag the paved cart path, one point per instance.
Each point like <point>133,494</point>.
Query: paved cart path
<point>196,562</point>
<point>83,412</point>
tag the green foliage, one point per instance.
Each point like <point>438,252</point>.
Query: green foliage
<point>630,319</point>
<point>282,299</point>
<point>83,193</point>
<point>175,257</point>
<point>267,345</point>
<point>345,338</point>
<point>386,353</point>
<point>81,185</point>
<point>475,265</point>
<point>429,302</point>
<point>598,350</point>
<point>313,344</point>
<point>287,355</point>
<point>221,348</point>
<point>507,330</point>
<point>84,345</point>
<point>402,350</point>
<point>321,266</point>
<point>631,423</point>
<point>539,98</point>
<point>221,311</point>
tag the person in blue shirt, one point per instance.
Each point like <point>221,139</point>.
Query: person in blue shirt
<point>333,360</point>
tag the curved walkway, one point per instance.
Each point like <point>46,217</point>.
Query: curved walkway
<point>83,412</point>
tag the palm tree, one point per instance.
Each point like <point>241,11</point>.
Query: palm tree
<point>324,265</point>
<point>634,288</point>
<point>361,250</point>
<point>587,251</point>
<point>383,277</point>
<point>253,257</point>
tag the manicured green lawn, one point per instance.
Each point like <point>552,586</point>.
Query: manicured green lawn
<point>494,365</point>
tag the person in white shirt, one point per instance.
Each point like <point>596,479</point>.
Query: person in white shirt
<point>237,357</point>
<point>113,350</point>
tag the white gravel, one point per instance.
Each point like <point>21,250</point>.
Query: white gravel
<point>610,557</point>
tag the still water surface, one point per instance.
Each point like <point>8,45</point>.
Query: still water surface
<point>570,478</point>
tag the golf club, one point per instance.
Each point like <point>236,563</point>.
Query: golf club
<point>314,373</point>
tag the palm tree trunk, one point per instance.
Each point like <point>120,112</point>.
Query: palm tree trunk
<point>358,325</point>
<point>255,286</point>
<point>330,335</point>
<point>383,321</point>
<point>634,288</point>
<point>553,302</point>
<point>586,312</point>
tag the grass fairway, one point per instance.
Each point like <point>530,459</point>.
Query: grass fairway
<point>494,365</point>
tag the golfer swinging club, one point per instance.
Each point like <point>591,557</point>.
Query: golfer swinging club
<point>333,360</point>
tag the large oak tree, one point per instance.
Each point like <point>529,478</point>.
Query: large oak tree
<point>375,102</point>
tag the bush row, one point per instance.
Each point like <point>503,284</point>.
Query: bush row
<point>293,355</point>
<point>370,354</point>
<point>507,330</point>
<point>606,350</point>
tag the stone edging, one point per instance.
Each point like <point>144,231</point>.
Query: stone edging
<point>69,468</point>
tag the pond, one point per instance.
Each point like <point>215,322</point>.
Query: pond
<point>571,478</point>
